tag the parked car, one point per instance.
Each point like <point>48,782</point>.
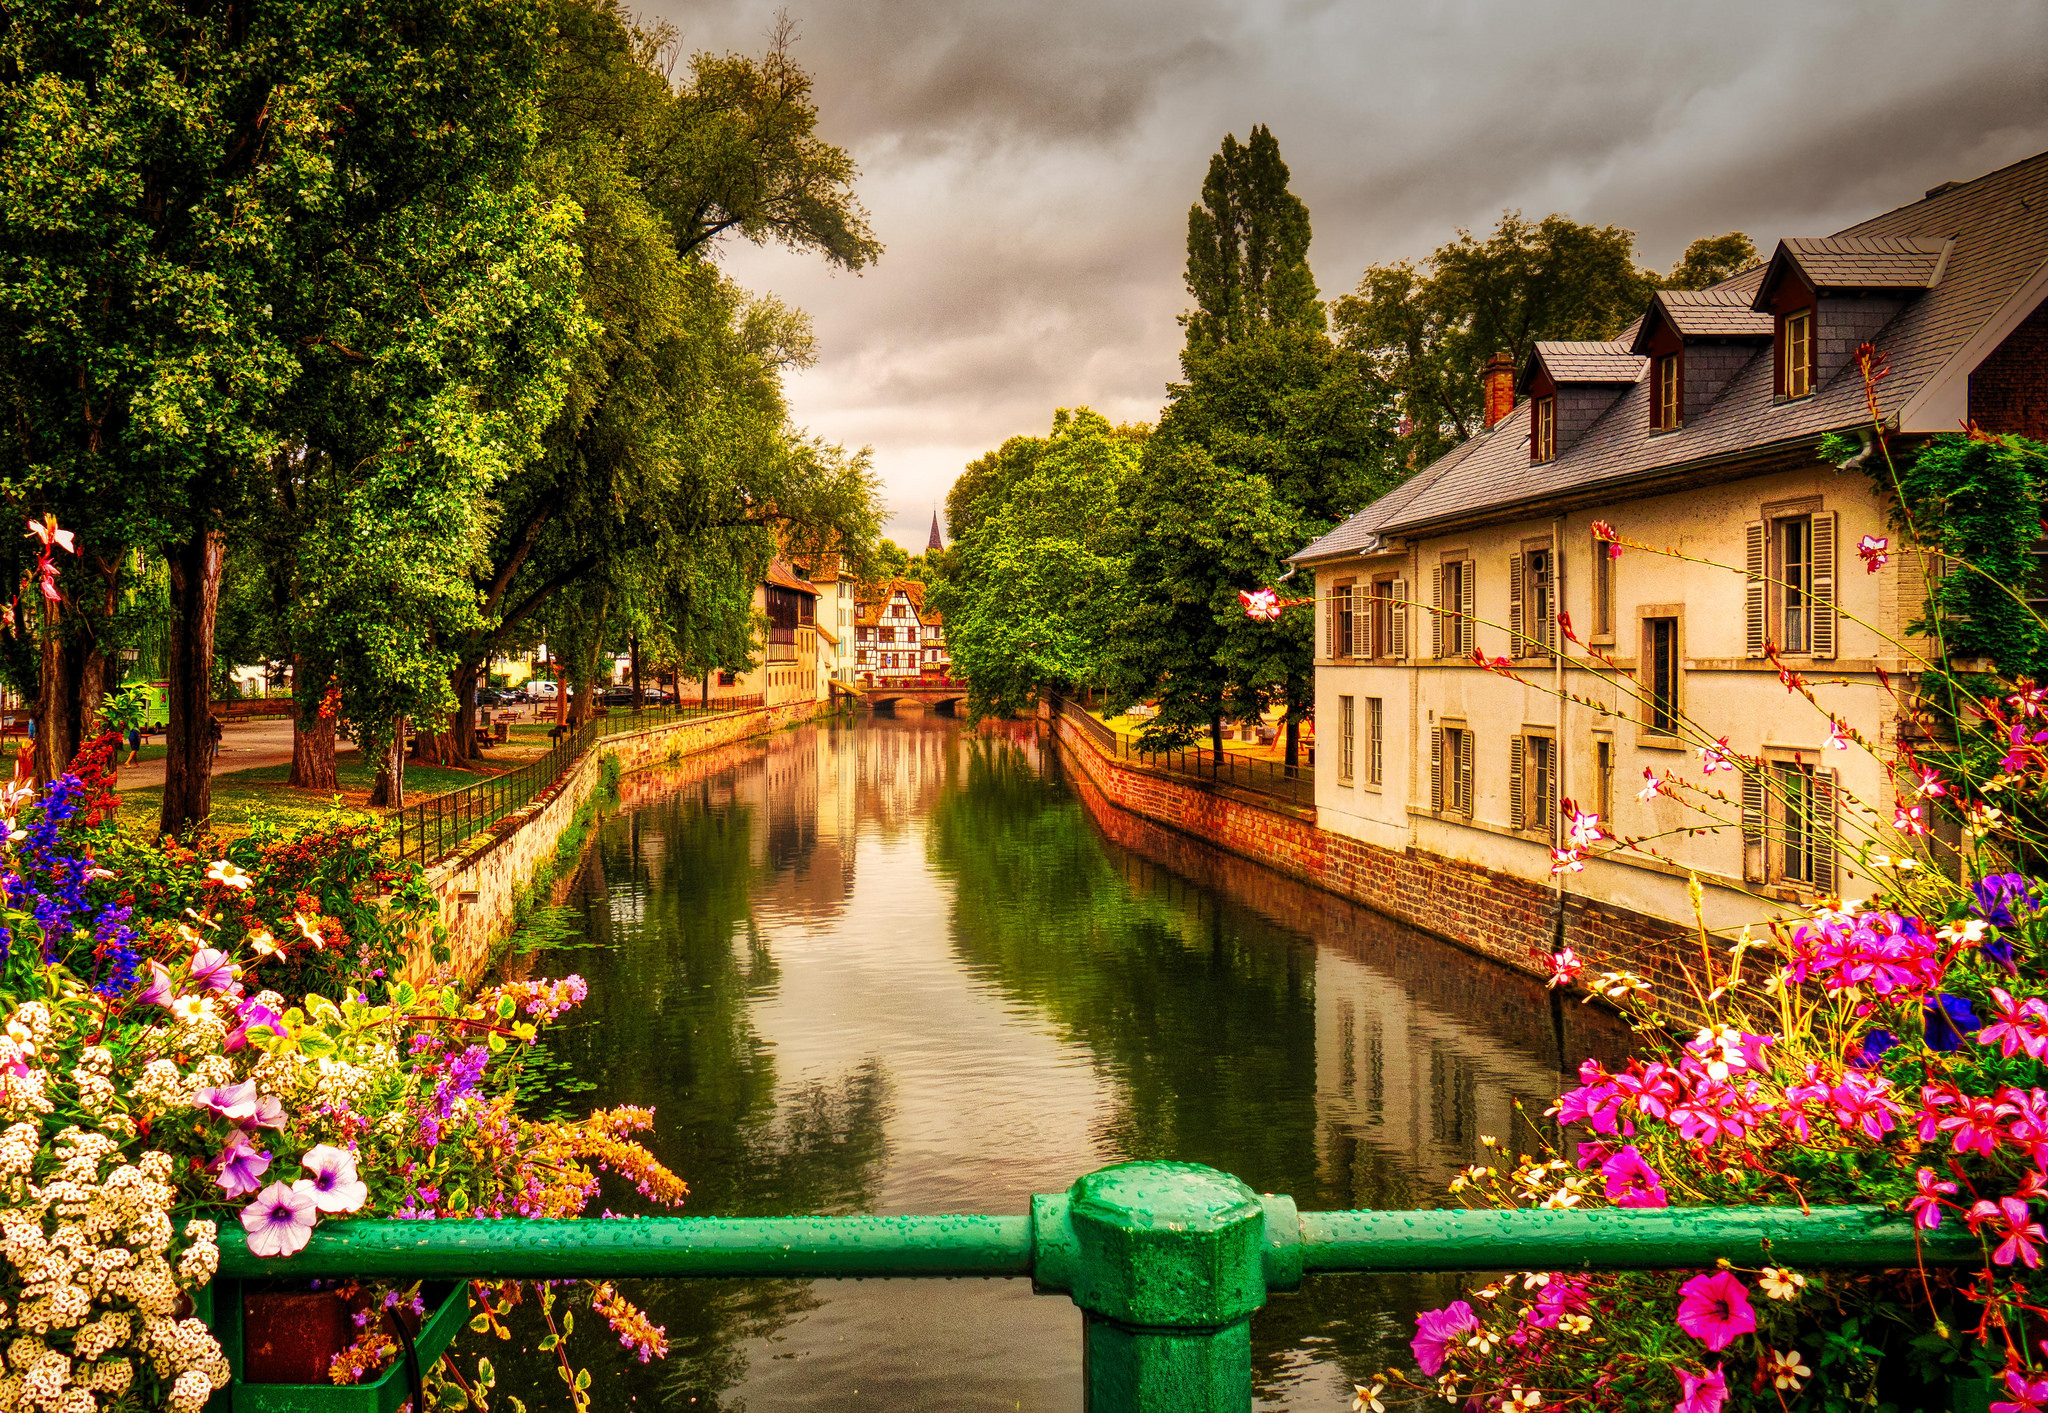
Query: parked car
<point>542,689</point>
<point>617,696</point>
<point>492,696</point>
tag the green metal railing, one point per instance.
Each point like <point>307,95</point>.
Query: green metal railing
<point>429,828</point>
<point>1296,784</point>
<point>1167,1261</point>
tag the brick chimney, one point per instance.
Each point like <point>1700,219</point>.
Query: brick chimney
<point>1499,383</point>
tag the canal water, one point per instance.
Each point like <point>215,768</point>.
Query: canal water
<point>893,965</point>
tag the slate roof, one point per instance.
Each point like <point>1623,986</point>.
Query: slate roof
<point>1720,312</point>
<point>1868,262</point>
<point>1589,361</point>
<point>1997,230</point>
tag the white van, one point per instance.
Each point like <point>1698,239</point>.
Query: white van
<point>543,689</point>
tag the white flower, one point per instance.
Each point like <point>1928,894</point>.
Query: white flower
<point>227,874</point>
<point>1575,1324</point>
<point>1970,930</point>
<point>1786,1369</point>
<point>187,1009</point>
<point>1366,1399</point>
<point>334,1183</point>
<point>1781,1283</point>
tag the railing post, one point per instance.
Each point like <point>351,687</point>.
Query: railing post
<point>1167,1262</point>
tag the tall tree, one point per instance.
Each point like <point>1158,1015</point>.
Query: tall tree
<point>1248,248</point>
<point>1710,260</point>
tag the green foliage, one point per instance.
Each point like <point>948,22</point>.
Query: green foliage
<point>1710,260</point>
<point>1036,586</point>
<point>1430,327</point>
<point>1248,243</point>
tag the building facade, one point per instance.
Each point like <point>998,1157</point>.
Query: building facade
<point>788,666</point>
<point>1484,656</point>
<point>899,640</point>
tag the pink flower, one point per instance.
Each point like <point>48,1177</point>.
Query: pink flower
<point>280,1219</point>
<point>1909,820</point>
<point>211,970</point>
<point>1565,967</point>
<point>1701,1393</point>
<point>2013,1222</point>
<point>1566,861</point>
<point>1652,786</point>
<point>1260,605</point>
<point>240,1167</point>
<point>1926,1205</point>
<point>1930,783</point>
<point>334,1183</point>
<point>1974,1127</point>
<point>1838,735</point>
<point>1436,1329</point>
<point>1582,827</point>
<point>49,533</point>
<point>234,1102</point>
<point>1863,1103</point>
<point>1631,1182</point>
<point>1874,549</point>
<point>1714,1309</point>
<point>2020,1026</point>
<point>1715,757</point>
<point>158,991</point>
<point>2028,1395</point>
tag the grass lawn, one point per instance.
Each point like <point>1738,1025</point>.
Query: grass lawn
<point>241,797</point>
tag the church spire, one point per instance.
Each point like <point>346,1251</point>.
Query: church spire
<point>935,543</point>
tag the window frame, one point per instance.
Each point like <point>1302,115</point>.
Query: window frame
<point>1533,777</point>
<point>1603,781</point>
<point>1603,590</point>
<point>1543,429</point>
<point>1667,391</point>
<point>1663,705</point>
<point>1347,739</point>
<point>1797,378</point>
<point>1790,580</point>
<point>1376,743</point>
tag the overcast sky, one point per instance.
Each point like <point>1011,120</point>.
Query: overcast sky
<point>1029,164</point>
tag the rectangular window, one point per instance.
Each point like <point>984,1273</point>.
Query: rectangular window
<point>1795,353</point>
<point>1668,410</point>
<point>1341,624</point>
<point>1797,839</point>
<point>1538,783</point>
<point>1542,598</point>
<point>1457,629</point>
<point>1660,675</point>
<point>1347,739</point>
<point>1603,783</point>
<point>1792,546</point>
<point>1543,438</point>
<point>1376,727</point>
<point>1380,626</point>
<point>1603,589</point>
<point>1450,770</point>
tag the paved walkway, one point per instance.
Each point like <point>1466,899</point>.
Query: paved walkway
<point>244,745</point>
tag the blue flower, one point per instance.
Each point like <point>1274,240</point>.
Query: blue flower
<point>1948,1020</point>
<point>1875,1044</point>
<point>1995,895</point>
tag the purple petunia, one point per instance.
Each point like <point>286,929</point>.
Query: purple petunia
<point>1435,1330</point>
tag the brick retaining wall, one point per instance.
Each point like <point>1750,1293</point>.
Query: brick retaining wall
<point>1497,915</point>
<point>478,885</point>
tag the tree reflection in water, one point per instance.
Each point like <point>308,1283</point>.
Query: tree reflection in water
<point>896,966</point>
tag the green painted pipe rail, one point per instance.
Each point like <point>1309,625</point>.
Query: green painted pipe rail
<point>1167,1261</point>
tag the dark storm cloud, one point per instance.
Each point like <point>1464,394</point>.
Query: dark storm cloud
<point>1030,166</point>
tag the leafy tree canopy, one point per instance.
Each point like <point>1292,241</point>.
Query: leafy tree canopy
<point>1248,248</point>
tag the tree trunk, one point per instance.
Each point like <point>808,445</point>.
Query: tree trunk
<point>633,647</point>
<point>1293,739</point>
<point>707,690</point>
<point>462,722</point>
<point>194,567</point>
<point>561,693</point>
<point>56,698</point>
<point>312,736</point>
<point>1216,739</point>
<point>389,791</point>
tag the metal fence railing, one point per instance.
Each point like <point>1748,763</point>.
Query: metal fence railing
<point>1167,1261</point>
<point>431,827</point>
<point>1295,784</point>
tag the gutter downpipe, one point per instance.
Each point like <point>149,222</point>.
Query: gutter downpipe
<point>1563,786</point>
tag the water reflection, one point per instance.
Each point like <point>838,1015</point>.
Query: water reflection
<point>896,966</point>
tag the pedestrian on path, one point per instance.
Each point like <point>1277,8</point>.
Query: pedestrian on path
<point>213,735</point>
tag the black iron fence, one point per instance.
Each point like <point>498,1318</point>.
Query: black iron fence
<point>1296,784</point>
<point>431,827</point>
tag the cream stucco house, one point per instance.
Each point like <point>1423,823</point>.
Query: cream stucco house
<point>1696,430</point>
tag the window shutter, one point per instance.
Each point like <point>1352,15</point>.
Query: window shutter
<point>1465,639</point>
<point>1753,593</point>
<point>1753,824</point>
<point>1826,827</point>
<point>1436,770</point>
<point>1824,583</point>
<point>1398,616</point>
<point>1465,771</point>
<point>1517,808</point>
<point>1436,614</point>
<point>1330,626</point>
<point>1550,813</point>
<point>1362,608</point>
<point>1516,647</point>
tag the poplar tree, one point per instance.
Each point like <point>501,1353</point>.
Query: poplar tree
<point>1248,248</point>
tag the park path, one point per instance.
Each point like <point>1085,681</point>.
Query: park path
<point>244,745</point>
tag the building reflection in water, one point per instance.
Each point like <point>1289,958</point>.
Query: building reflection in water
<point>898,966</point>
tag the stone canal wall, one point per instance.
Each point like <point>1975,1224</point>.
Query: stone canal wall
<point>478,885</point>
<point>1508,919</point>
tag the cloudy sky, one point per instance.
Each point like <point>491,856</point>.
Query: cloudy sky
<point>1029,163</point>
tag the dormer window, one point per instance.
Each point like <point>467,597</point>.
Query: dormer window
<point>1543,432</point>
<point>1667,408</point>
<point>1795,353</point>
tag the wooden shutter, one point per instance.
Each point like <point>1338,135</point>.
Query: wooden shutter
<point>1824,584</point>
<point>1516,647</point>
<point>1436,615</point>
<point>1465,638</point>
<point>1436,769</point>
<point>1518,747</point>
<point>1362,611</point>
<point>1753,823</point>
<point>1754,624</point>
<point>1330,626</point>
<point>1398,616</point>
<point>1465,771</point>
<point>1550,813</point>
<point>1826,826</point>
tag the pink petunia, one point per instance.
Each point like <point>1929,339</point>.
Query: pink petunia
<point>334,1183</point>
<point>211,970</point>
<point>1631,1182</point>
<point>240,1167</point>
<point>1701,1393</point>
<point>1436,1330</point>
<point>237,1101</point>
<point>1714,1309</point>
<point>280,1219</point>
<point>2029,1395</point>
